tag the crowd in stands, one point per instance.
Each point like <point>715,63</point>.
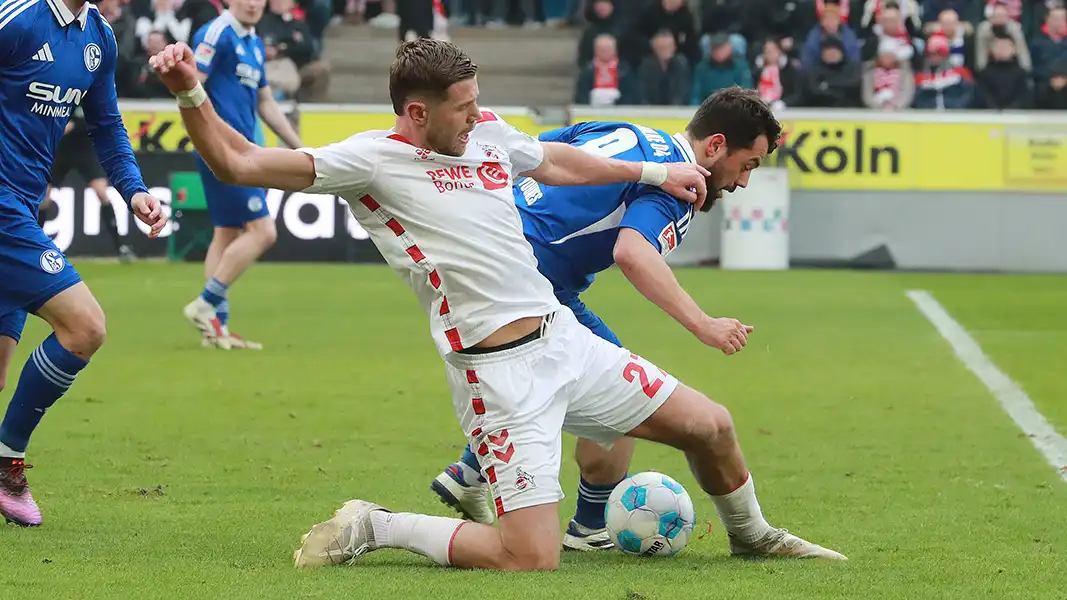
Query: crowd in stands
<point>881,54</point>
<point>291,30</point>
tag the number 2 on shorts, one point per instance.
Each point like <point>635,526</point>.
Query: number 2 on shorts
<point>634,369</point>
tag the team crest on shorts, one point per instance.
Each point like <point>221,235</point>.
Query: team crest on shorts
<point>255,204</point>
<point>523,479</point>
<point>52,262</point>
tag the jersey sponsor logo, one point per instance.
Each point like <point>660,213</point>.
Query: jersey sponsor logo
<point>204,53</point>
<point>531,191</point>
<point>450,179</point>
<point>248,75</point>
<point>53,100</point>
<point>659,145</point>
<point>52,262</point>
<point>493,176</point>
<point>668,239</point>
<point>93,56</point>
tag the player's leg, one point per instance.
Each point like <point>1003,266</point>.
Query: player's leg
<point>625,394</point>
<point>15,504</point>
<point>509,403</point>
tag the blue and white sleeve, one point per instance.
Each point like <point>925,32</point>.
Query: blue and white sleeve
<point>104,123</point>
<point>654,215</point>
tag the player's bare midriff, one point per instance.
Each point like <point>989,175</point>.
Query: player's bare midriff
<point>515,330</point>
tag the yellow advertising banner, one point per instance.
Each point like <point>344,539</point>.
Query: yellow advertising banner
<point>821,155</point>
<point>860,155</point>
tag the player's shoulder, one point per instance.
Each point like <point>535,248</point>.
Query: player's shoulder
<point>100,24</point>
<point>214,32</point>
<point>367,141</point>
<point>21,16</point>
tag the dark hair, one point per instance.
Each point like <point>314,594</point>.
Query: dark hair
<point>427,67</point>
<point>738,114</point>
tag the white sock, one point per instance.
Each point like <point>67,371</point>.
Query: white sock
<point>422,534</point>
<point>740,512</point>
<point>6,452</point>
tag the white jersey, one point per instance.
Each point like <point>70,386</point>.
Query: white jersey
<point>447,224</point>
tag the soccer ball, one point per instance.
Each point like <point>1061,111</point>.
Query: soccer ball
<point>650,514</point>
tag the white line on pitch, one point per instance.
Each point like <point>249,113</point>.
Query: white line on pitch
<point>1011,397</point>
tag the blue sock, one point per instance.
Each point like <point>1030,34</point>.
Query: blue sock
<point>48,373</point>
<point>215,292</point>
<point>466,470</point>
<point>592,504</point>
<point>223,311</point>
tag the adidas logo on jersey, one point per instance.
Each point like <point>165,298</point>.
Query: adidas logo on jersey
<point>45,54</point>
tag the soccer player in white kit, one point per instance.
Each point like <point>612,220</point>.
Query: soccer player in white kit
<point>434,193</point>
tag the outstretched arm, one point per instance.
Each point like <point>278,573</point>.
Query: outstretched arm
<point>231,157</point>
<point>564,164</point>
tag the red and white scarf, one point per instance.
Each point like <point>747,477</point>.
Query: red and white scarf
<point>886,85</point>
<point>770,83</point>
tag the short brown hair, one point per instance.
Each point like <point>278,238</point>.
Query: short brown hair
<point>740,115</point>
<point>427,67</point>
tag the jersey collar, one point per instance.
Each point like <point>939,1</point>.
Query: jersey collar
<point>65,17</point>
<point>686,148</point>
<point>237,27</point>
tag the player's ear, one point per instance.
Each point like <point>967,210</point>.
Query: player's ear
<point>715,143</point>
<point>416,111</point>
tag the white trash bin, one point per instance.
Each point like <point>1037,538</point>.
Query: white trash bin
<point>755,223</point>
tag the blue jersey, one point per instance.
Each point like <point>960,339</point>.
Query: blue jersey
<point>573,229</point>
<point>231,55</point>
<point>52,61</point>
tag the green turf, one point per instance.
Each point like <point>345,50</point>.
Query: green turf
<point>170,471</point>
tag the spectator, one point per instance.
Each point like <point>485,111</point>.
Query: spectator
<point>722,69</point>
<point>907,15</point>
<point>888,31</point>
<point>602,81</point>
<point>764,19</point>
<point>1003,84</point>
<point>1000,23</point>
<point>1013,9</point>
<point>664,78</point>
<point>149,85</point>
<point>128,63</point>
<point>723,16</point>
<point>199,13</point>
<point>888,81</point>
<point>940,85</point>
<point>833,81</point>
<point>291,67</point>
<point>777,85</point>
<point>601,18</point>
<point>830,26</point>
<point>1053,95</point>
<point>959,36</point>
<point>932,10</point>
<point>165,20</point>
<point>1050,46</point>
<point>674,16</point>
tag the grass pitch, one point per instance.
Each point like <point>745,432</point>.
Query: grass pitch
<point>171,471</point>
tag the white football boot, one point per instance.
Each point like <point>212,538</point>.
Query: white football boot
<point>584,539</point>
<point>349,534</point>
<point>202,315</point>
<point>779,542</point>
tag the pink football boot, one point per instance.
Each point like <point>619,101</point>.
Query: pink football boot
<point>16,502</point>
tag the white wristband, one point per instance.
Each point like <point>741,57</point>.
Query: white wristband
<point>192,98</point>
<point>653,173</point>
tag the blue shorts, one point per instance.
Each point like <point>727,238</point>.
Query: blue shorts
<point>587,318</point>
<point>231,205</point>
<point>32,269</point>
<point>12,323</point>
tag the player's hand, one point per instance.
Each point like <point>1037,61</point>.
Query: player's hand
<point>176,67</point>
<point>148,209</point>
<point>728,335</point>
<point>686,182</point>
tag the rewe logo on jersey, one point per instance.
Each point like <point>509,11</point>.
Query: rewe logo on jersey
<point>53,100</point>
<point>493,176</point>
<point>450,179</point>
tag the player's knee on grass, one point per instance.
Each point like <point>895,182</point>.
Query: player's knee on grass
<point>530,539</point>
<point>602,466</point>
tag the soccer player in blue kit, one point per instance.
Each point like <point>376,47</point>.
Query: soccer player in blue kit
<point>231,61</point>
<point>577,232</point>
<point>55,55</point>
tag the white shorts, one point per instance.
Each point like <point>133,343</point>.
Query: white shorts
<point>514,404</point>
